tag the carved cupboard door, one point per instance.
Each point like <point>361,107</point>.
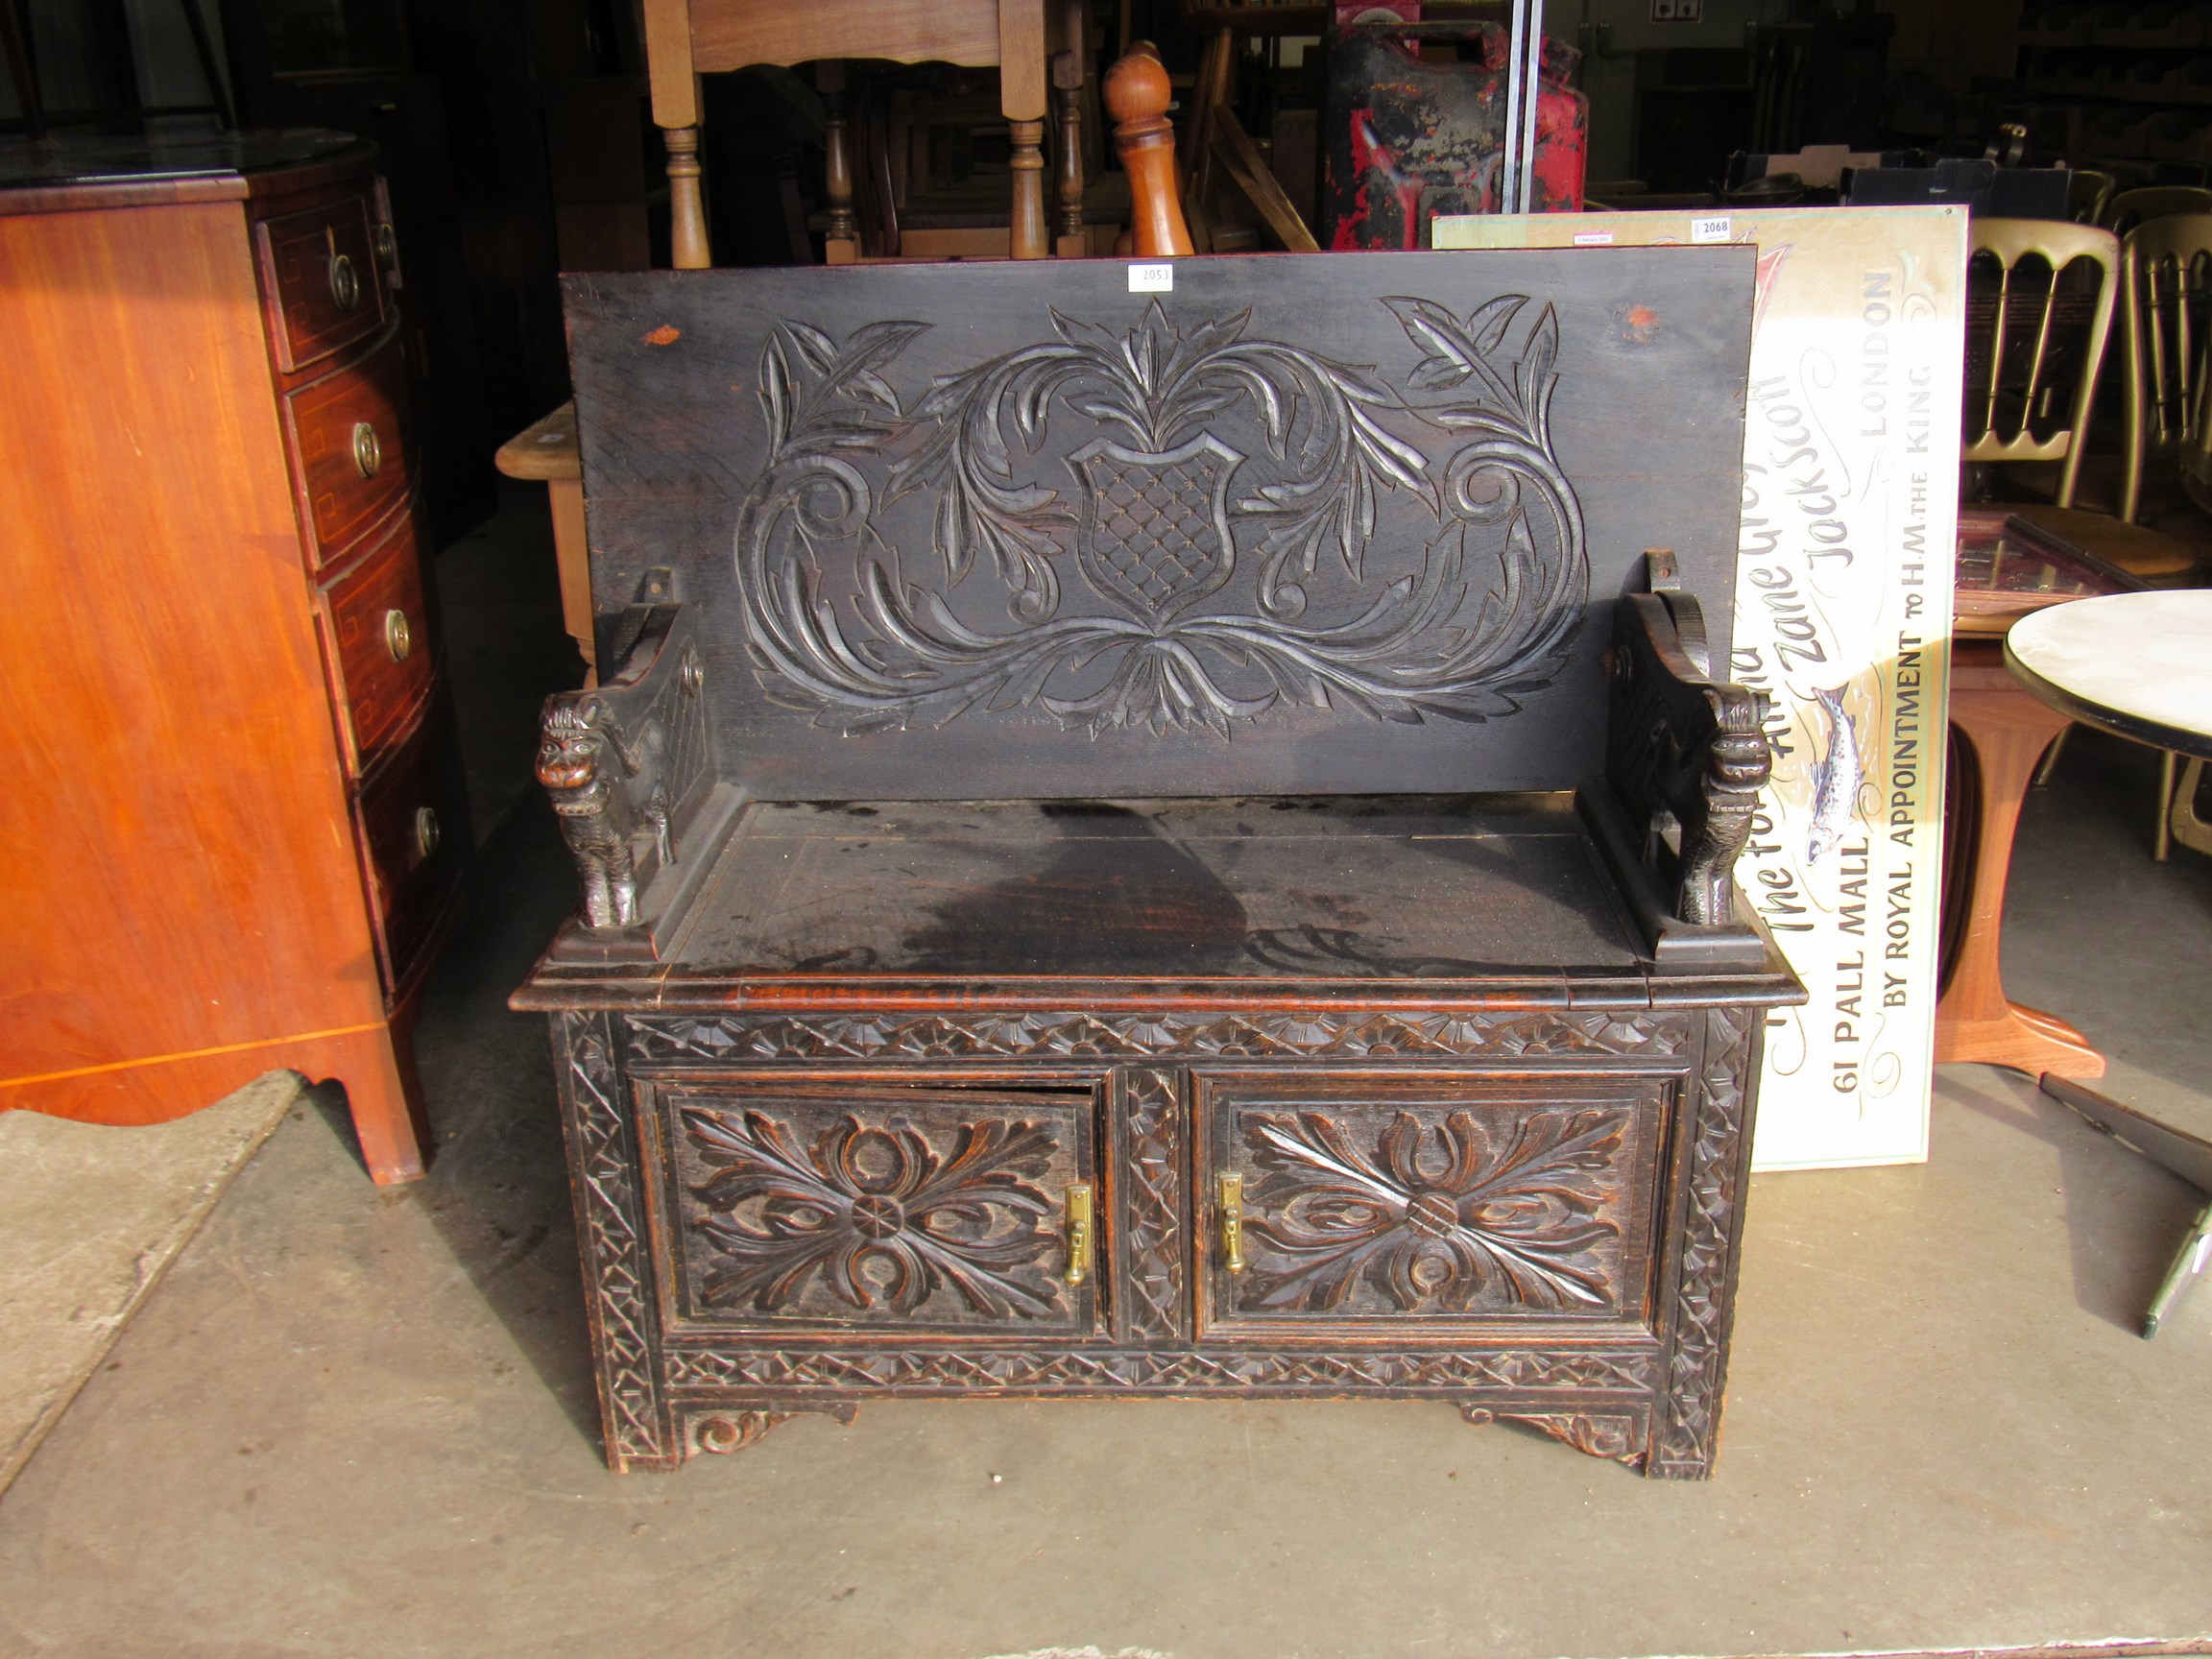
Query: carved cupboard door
<point>1471,1205</point>
<point>880,1207</point>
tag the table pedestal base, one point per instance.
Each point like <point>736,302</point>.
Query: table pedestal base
<point>2173,1150</point>
<point>1998,733</point>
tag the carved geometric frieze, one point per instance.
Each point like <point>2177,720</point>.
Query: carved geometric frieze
<point>1350,1033</point>
<point>1691,1415</point>
<point>1106,1371</point>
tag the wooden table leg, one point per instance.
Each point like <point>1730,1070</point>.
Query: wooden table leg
<point>1999,733</point>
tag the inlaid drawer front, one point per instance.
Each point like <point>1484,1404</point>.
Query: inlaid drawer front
<point>413,819</point>
<point>1401,1203</point>
<point>380,628</point>
<point>345,433</point>
<point>955,1211</point>
<point>322,267</point>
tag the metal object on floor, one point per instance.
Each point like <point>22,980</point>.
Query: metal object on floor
<point>2169,1148</point>
<point>2139,665</point>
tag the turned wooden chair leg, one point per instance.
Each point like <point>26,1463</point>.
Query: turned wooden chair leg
<point>841,244</point>
<point>1072,242</point>
<point>686,202</point>
<point>1027,240</point>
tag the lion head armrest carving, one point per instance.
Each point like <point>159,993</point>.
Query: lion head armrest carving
<point>1686,757</point>
<point>630,766</point>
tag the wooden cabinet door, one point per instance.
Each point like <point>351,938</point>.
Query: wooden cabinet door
<point>878,1207</point>
<point>1443,1205</point>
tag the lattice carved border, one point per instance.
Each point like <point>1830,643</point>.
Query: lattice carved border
<point>1328,1034</point>
<point>1696,1373</point>
<point>1095,1371</point>
<point>610,1229</point>
<point>1149,1152</point>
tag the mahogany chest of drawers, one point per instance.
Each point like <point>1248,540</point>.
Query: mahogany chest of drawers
<point>236,825</point>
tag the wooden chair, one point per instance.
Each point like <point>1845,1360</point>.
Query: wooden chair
<point>686,38</point>
<point>2087,192</point>
<point>2029,417</point>
<point>2165,265</point>
<point>1169,864</point>
<point>2130,208</point>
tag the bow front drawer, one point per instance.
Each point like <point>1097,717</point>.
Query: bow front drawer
<point>349,463</point>
<point>321,269</point>
<point>377,620</point>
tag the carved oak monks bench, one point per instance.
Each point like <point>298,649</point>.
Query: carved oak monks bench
<point>1175,843</point>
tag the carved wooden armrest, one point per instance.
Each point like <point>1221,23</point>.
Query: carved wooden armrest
<point>631,764</point>
<point>1686,757</point>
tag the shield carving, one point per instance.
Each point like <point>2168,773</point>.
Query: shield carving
<point>1154,531</point>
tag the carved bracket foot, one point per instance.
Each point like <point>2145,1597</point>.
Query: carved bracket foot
<point>724,1431</point>
<point>1615,1435</point>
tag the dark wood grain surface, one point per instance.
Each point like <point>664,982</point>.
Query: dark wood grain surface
<point>967,532</point>
<point>1319,888</point>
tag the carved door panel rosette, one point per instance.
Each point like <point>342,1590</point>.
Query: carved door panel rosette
<point>957,1212</point>
<point>1166,522</point>
<point>1445,1206</point>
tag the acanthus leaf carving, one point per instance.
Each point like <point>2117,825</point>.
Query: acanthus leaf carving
<point>871,1217</point>
<point>1449,1215</point>
<point>1484,619</point>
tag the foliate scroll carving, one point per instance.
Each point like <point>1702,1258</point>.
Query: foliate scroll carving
<point>625,763</point>
<point>1687,755</point>
<point>1435,1213</point>
<point>1154,572</point>
<point>617,1273</point>
<point>945,1222</point>
<point>722,1432</point>
<point>1617,1436</point>
<point>1705,1281</point>
<point>1093,1371</point>
<point>1321,1033</point>
<point>1150,1130</point>
<point>735,1430</point>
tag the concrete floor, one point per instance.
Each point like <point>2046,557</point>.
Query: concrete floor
<point>356,1422</point>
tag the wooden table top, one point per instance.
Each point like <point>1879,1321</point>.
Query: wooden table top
<point>2136,663</point>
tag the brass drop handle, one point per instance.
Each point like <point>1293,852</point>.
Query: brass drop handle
<point>368,453</point>
<point>426,831</point>
<point>1231,1205</point>
<point>398,637</point>
<point>344,283</point>
<point>1077,1202</point>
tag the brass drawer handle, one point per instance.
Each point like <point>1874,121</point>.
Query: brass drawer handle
<point>1232,1209</point>
<point>344,283</point>
<point>1078,1207</point>
<point>387,244</point>
<point>426,831</point>
<point>398,638</point>
<point>368,453</point>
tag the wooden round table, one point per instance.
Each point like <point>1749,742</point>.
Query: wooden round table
<point>2139,665</point>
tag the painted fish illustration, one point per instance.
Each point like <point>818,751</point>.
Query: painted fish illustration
<point>1836,778</point>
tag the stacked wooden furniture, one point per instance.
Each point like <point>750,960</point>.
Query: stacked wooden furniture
<point>1158,844</point>
<point>237,823</point>
<point>1037,46</point>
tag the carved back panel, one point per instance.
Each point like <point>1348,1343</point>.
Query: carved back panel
<point>1308,523</point>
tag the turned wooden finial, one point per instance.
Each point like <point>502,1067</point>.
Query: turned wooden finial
<point>1137,94</point>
